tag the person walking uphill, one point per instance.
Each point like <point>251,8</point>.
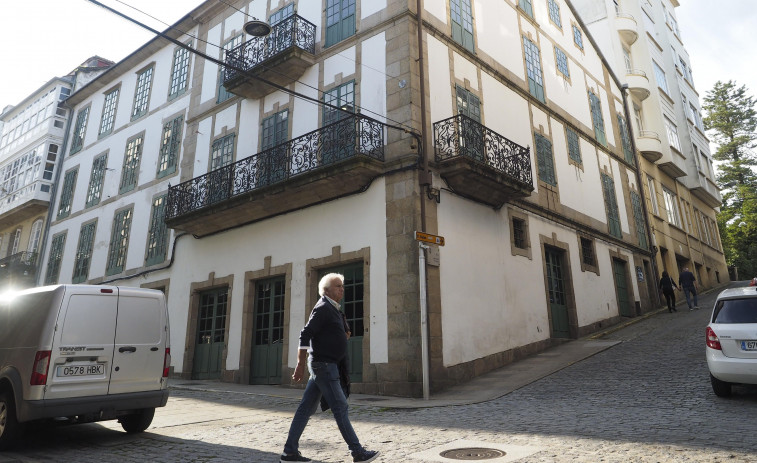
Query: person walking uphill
<point>666,285</point>
<point>323,343</point>
<point>688,283</point>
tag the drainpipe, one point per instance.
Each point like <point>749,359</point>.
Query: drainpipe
<point>650,235</point>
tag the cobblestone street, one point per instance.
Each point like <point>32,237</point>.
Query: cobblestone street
<point>647,399</point>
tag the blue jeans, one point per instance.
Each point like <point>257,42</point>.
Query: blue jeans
<point>324,380</point>
<point>693,292</point>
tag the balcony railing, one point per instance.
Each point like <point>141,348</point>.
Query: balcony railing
<point>501,165</point>
<point>18,269</point>
<point>352,137</point>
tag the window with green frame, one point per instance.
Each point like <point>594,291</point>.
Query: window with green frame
<point>342,96</point>
<point>461,15</point>
<point>625,139</point>
<point>526,6</point>
<point>340,20</point>
<point>281,15</point>
<point>533,69</point>
<point>545,160</point>
<point>562,62</point>
<point>84,252</point>
<point>179,71</point>
<point>554,12</point>
<point>109,113</point>
<point>334,148</point>
<point>96,179</point>
<point>119,242</point>
<point>232,43</point>
<point>67,193</point>
<point>274,130</point>
<point>142,93</point>
<point>170,144</point>
<point>222,152</point>
<point>77,139</point>
<point>130,171</point>
<point>597,119</point>
<point>611,206</point>
<point>56,256</point>
<point>638,217</point>
<point>468,104</point>
<point>574,145</point>
<point>157,236</point>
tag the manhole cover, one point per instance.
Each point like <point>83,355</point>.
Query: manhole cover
<point>473,453</point>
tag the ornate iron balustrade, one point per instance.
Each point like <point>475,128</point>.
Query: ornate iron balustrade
<point>19,264</point>
<point>294,31</point>
<point>350,137</point>
<point>462,136</point>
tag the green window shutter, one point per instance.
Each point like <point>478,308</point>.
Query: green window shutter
<point>625,139</point>
<point>79,130</point>
<point>157,242</point>
<point>596,116</point>
<point>533,69</point>
<point>67,194</point>
<point>119,242</point>
<point>638,217</point>
<point>56,256</point>
<point>611,205</point>
<point>130,171</point>
<point>96,178</point>
<point>545,160</point>
<point>169,146</point>
<point>84,252</point>
<point>574,145</point>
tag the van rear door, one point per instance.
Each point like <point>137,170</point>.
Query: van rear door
<point>82,352</point>
<point>141,341</point>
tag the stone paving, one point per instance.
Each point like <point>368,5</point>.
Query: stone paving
<point>648,399</point>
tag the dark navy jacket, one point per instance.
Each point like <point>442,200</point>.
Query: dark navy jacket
<point>325,333</point>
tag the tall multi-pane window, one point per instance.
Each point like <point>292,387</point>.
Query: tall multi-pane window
<point>80,128</point>
<point>342,96</point>
<point>519,233</point>
<point>638,218</point>
<point>170,144</point>
<point>56,256</point>
<point>461,15</point>
<point>109,112</point>
<point>554,12</point>
<point>468,104</point>
<point>119,242</point>
<point>275,130</point>
<point>578,38</point>
<point>157,236</point>
<point>587,252</point>
<point>96,180</point>
<point>597,119</point>
<point>67,193</point>
<point>130,171</point>
<point>533,68</point>
<point>222,153</point>
<point>562,62</point>
<point>672,131</point>
<point>84,252</point>
<point>696,117</point>
<point>659,75</point>
<point>340,20</point>
<point>34,236</point>
<point>574,146</point>
<point>625,139</point>
<point>671,207</point>
<point>545,160</point>
<point>526,6</point>
<point>142,93</point>
<point>281,15</point>
<point>179,72</point>
<point>611,206</point>
<point>232,43</point>
<point>653,195</point>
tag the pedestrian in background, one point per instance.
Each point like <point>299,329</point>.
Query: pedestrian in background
<point>323,344</point>
<point>688,283</point>
<point>666,285</point>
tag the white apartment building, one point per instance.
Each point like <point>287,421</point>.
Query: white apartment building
<point>502,130</point>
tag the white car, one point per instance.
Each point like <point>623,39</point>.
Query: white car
<point>732,340</point>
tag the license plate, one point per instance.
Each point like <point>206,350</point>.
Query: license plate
<point>81,370</point>
<point>748,345</point>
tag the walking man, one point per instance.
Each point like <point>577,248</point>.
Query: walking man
<point>688,283</point>
<point>323,343</point>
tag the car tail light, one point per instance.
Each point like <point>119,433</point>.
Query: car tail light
<point>713,342</point>
<point>39,370</point>
<point>166,362</point>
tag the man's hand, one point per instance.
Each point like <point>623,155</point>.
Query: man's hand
<point>299,372</point>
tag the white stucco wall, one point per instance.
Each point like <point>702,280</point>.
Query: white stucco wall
<point>210,69</point>
<point>503,109</point>
<point>439,83</point>
<point>307,113</point>
<point>438,8</point>
<point>371,7</point>
<point>496,24</point>
<point>372,78</point>
<point>341,63</point>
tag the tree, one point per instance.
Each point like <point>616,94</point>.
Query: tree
<point>731,121</point>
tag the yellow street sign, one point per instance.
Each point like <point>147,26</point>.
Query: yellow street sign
<point>429,238</point>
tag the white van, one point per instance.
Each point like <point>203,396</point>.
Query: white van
<point>86,353</point>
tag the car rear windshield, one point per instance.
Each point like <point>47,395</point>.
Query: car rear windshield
<point>736,311</point>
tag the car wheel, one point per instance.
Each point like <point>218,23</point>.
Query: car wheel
<point>9,427</point>
<point>720,388</point>
<point>137,422</point>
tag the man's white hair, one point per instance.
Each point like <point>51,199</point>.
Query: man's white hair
<point>326,281</point>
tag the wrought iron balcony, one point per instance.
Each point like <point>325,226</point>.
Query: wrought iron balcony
<point>338,159</point>
<point>18,270</point>
<point>281,57</point>
<point>481,164</point>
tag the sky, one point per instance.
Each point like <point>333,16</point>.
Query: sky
<point>42,39</point>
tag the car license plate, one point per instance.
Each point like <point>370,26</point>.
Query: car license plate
<point>748,345</point>
<point>81,370</point>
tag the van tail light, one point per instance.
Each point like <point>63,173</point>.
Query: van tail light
<point>166,362</point>
<point>39,370</point>
<point>713,342</point>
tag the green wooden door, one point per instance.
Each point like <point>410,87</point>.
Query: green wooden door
<point>268,339</point>
<point>211,335</point>
<point>352,306</point>
<point>556,291</point>
<point>621,285</point>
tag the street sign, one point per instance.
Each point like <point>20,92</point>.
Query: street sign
<point>429,238</point>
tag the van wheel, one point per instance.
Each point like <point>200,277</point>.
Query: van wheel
<point>9,427</point>
<point>720,388</point>
<point>137,422</point>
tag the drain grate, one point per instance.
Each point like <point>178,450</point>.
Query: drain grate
<point>472,453</point>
